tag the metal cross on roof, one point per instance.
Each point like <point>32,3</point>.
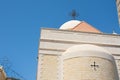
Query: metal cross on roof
<point>74,14</point>
<point>95,66</point>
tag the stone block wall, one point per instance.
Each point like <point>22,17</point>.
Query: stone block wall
<point>49,67</point>
<point>80,69</point>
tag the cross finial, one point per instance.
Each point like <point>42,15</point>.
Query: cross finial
<point>74,14</point>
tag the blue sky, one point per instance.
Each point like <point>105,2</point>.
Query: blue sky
<point>21,20</point>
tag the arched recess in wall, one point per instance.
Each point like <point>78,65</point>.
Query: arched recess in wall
<point>88,62</point>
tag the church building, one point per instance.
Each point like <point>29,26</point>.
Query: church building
<point>78,51</point>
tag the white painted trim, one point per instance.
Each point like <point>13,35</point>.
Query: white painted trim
<point>87,50</point>
<point>55,47</point>
<point>89,54</point>
<point>77,36</point>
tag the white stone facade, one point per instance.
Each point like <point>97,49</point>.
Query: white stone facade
<point>53,43</point>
